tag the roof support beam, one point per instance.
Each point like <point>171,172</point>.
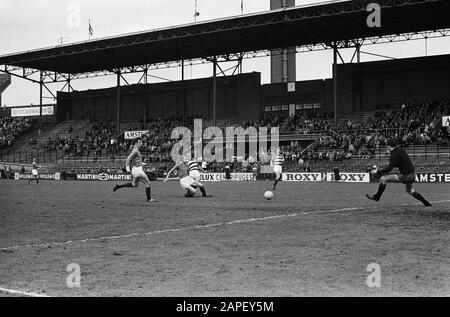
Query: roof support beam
<point>41,83</point>
<point>214,61</point>
<point>62,77</point>
<point>118,102</point>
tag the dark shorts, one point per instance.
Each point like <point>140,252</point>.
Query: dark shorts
<point>407,179</point>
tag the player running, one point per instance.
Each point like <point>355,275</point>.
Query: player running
<point>34,172</point>
<point>135,165</point>
<point>187,182</point>
<point>398,158</point>
<point>277,161</point>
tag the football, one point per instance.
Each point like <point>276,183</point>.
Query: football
<point>268,195</point>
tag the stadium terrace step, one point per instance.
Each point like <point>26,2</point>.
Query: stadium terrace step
<point>362,115</point>
<point>24,141</point>
<point>50,130</point>
<point>361,164</point>
<point>429,150</point>
<point>299,137</point>
<point>222,122</point>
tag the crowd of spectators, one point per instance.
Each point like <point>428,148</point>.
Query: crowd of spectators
<point>101,139</point>
<point>299,123</point>
<point>12,128</point>
<point>157,142</point>
<point>411,123</point>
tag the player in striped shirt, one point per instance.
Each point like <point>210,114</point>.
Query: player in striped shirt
<point>195,169</point>
<point>277,163</point>
<point>187,182</point>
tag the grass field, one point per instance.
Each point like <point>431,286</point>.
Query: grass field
<point>311,239</point>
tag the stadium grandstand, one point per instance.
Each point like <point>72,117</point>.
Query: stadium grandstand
<point>341,121</point>
<point>128,177</point>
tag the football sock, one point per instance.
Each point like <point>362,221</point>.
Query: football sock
<point>419,197</point>
<point>148,193</point>
<point>275,184</point>
<point>203,190</point>
<point>380,191</point>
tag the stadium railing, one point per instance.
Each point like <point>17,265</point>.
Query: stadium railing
<point>430,157</point>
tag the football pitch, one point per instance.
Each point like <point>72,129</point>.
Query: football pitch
<point>311,239</point>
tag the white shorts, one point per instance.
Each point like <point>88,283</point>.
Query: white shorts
<point>138,172</point>
<point>34,172</point>
<point>195,175</point>
<point>278,169</point>
<point>186,182</point>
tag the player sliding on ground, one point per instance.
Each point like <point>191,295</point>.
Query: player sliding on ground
<point>187,182</point>
<point>277,162</point>
<point>194,169</point>
<point>34,172</point>
<point>135,165</point>
<point>398,158</point>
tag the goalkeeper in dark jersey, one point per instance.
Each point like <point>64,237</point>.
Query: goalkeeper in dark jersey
<point>398,158</point>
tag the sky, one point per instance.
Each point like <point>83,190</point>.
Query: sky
<point>32,24</point>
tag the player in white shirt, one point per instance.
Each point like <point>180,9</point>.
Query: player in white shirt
<point>277,163</point>
<point>34,172</point>
<point>135,165</point>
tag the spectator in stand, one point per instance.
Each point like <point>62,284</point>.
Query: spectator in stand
<point>307,168</point>
<point>12,128</point>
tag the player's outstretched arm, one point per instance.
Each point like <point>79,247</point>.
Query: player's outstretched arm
<point>170,172</point>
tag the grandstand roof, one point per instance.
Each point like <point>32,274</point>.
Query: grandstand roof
<point>306,25</point>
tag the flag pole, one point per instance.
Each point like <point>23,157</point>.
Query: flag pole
<point>196,14</point>
<point>90,30</point>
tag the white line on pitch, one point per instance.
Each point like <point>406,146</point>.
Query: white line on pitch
<point>31,294</point>
<point>50,244</point>
<point>433,202</point>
